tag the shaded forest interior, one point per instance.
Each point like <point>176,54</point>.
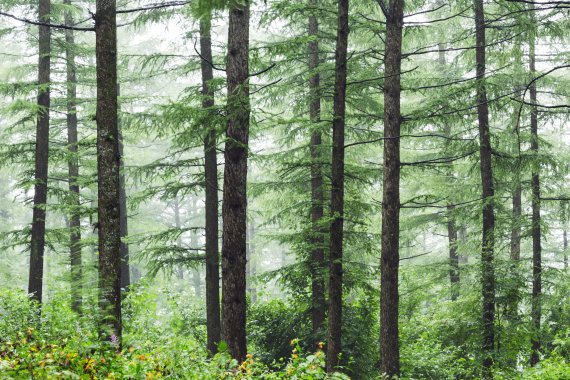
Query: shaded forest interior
<point>305,189</point>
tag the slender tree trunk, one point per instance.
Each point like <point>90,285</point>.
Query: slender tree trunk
<point>252,265</point>
<point>564,233</point>
<point>390,255</point>
<point>235,183</point>
<point>334,347</point>
<point>515,252</point>
<point>125,268</point>
<point>451,227</point>
<point>108,172</point>
<point>251,271</point>
<point>488,240</point>
<point>317,258</point>
<point>178,225</point>
<point>453,256</point>
<point>73,169</point>
<point>35,283</point>
<point>536,234</point>
<point>211,178</point>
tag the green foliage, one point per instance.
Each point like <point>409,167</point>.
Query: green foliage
<point>58,347</point>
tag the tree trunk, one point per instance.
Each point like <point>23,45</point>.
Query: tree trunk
<point>337,191</point>
<point>251,270</point>
<point>73,169</point>
<point>211,178</point>
<point>108,168</point>
<point>451,227</point>
<point>488,240</point>
<point>536,234</point>
<point>35,283</point>
<point>390,255</point>
<point>234,204</point>
<point>124,252</point>
<point>453,256</point>
<point>564,233</point>
<point>317,258</point>
<point>177,223</point>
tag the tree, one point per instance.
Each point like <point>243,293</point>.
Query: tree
<point>337,190</point>
<point>317,197</point>
<point>536,307</point>
<point>488,192</point>
<point>234,204</point>
<point>211,187</point>
<point>35,283</point>
<point>390,256</point>
<point>108,172</point>
<point>123,212</point>
<point>73,167</point>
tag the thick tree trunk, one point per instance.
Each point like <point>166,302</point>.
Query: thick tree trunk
<point>35,283</point>
<point>337,191</point>
<point>108,168</point>
<point>317,258</point>
<point>488,240</point>
<point>234,204</point>
<point>73,169</point>
<point>211,178</point>
<point>390,255</point>
<point>536,234</point>
<point>124,227</point>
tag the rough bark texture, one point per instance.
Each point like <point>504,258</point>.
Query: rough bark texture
<point>73,169</point>
<point>235,179</point>
<point>488,240</point>
<point>390,255</point>
<point>337,191</point>
<point>536,312</point>
<point>124,226</point>
<point>108,167</point>
<point>213,324</point>
<point>35,283</point>
<point>317,258</point>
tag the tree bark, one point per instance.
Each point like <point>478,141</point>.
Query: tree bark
<point>124,226</point>
<point>488,240</point>
<point>334,347</point>
<point>108,168</point>
<point>35,283</point>
<point>390,255</point>
<point>73,169</point>
<point>316,264</point>
<point>234,204</point>
<point>536,307</point>
<point>211,178</point>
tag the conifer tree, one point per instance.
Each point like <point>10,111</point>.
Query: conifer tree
<point>234,204</point>
<point>390,256</point>
<point>37,247</point>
